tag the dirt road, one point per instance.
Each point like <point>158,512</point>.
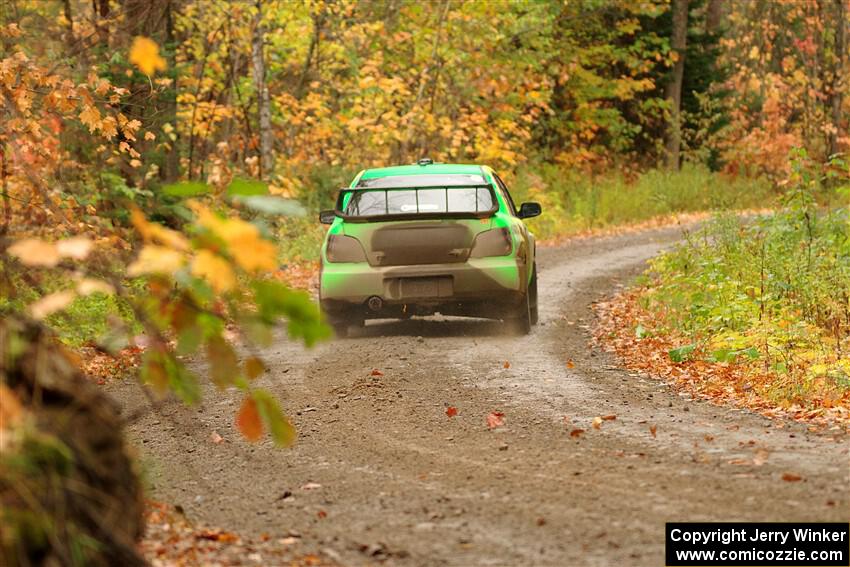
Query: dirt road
<point>404,483</point>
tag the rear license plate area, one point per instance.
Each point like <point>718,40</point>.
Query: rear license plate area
<point>414,288</point>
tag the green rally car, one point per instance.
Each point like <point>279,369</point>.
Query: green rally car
<point>427,238</point>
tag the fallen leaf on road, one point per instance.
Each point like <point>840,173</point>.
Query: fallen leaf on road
<point>321,514</point>
<point>217,535</point>
<point>451,411</point>
<point>216,438</point>
<point>709,438</point>
<point>739,462</point>
<point>576,432</point>
<point>791,477</point>
<point>570,363</point>
<point>653,429</point>
<point>311,486</point>
<point>597,422</point>
<point>376,372</point>
<point>495,419</point>
<point>507,364</point>
<point>760,457</point>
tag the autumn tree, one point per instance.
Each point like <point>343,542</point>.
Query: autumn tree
<point>674,87</point>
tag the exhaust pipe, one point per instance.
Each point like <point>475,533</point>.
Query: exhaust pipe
<point>375,303</point>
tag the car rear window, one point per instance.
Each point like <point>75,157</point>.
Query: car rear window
<point>376,202</point>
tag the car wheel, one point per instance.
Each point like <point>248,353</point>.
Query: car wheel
<point>532,295</point>
<point>520,321</point>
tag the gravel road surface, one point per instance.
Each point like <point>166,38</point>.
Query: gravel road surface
<point>381,474</point>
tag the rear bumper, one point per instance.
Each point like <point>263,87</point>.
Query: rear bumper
<point>478,287</point>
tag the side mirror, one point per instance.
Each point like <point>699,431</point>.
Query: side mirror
<point>327,217</point>
<point>528,210</point>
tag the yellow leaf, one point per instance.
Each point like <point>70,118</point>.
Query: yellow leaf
<point>152,231</point>
<point>51,303</point>
<point>144,54</point>
<point>35,252</point>
<point>215,270</point>
<point>155,259</point>
<point>77,247</point>
<point>243,240</point>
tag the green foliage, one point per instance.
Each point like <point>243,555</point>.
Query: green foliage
<point>274,300</point>
<point>282,431</point>
<point>682,353</point>
<point>773,290</point>
<point>186,189</point>
<point>87,320</point>
<point>246,188</point>
<point>271,205</point>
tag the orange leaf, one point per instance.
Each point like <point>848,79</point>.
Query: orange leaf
<point>652,429</point>
<point>576,432</point>
<point>254,367</point>
<point>507,364</point>
<point>495,419</point>
<point>248,420</point>
<point>597,422</point>
<point>611,417</point>
<point>571,364</point>
<point>791,477</point>
<point>376,372</point>
<point>451,411</point>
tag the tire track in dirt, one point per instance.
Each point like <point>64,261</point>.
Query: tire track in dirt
<point>411,486</point>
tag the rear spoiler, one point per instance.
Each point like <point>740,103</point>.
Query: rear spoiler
<point>482,214</point>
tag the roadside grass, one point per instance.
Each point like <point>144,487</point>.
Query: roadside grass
<point>574,203</point>
<point>86,320</point>
<point>754,310</point>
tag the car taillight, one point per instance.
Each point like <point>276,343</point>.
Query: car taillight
<point>343,248</point>
<point>495,242</point>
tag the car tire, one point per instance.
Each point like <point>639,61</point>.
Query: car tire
<point>520,321</point>
<point>340,326</point>
<point>532,296</point>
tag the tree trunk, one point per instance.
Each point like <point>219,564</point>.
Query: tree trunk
<point>79,500</point>
<point>101,16</point>
<point>264,106</point>
<point>713,16</point>
<point>839,83</point>
<point>674,87</point>
<point>172,159</point>
<point>69,16</point>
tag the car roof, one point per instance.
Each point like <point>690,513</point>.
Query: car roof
<point>429,169</point>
